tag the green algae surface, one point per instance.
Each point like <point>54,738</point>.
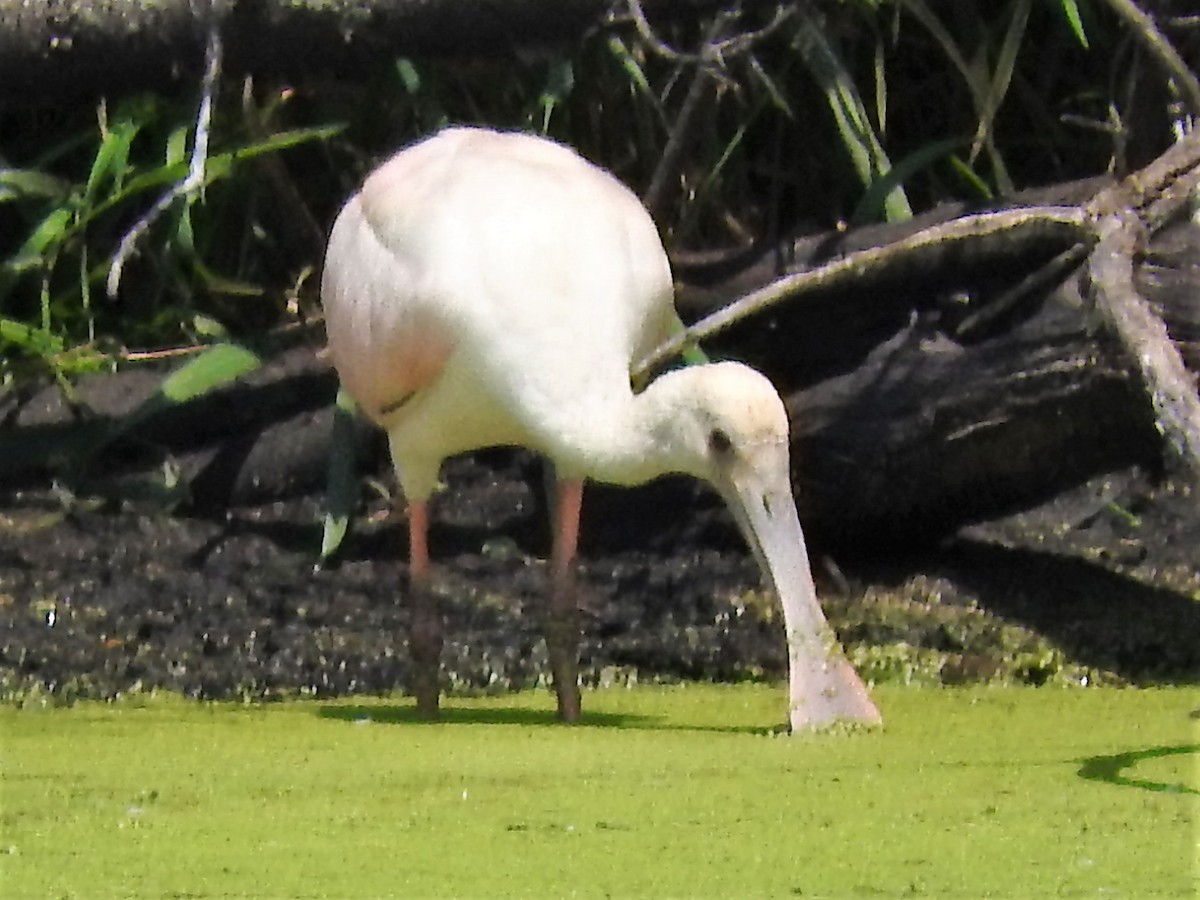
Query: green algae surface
<point>664,791</point>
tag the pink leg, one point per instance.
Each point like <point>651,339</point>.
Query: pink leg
<point>425,628</point>
<point>562,614</point>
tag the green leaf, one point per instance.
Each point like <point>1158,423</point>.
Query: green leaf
<point>340,492</point>
<point>176,148</point>
<point>112,158</point>
<point>215,367</point>
<point>34,341</point>
<point>409,76</point>
<point>1071,8</point>
<point>19,184</point>
<point>208,327</point>
<point>871,204</point>
<point>219,284</point>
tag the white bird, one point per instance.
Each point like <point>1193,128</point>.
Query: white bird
<point>486,288</point>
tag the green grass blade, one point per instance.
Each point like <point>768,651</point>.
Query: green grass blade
<point>560,81</point>
<point>40,251</point>
<point>632,68</point>
<point>853,122</point>
<point>219,166</point>
<point>871,204</point>
<point>34,341</point>
<point>112,158</point>
<point>282,140</point>
<point>971,178</point>
<point>53,229</point>
<point>219,284</point>
<point>976,84</point>
<point>1071,10</point>
<point>997,88</point>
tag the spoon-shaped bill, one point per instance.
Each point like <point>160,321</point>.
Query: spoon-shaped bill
<point>823,686</point>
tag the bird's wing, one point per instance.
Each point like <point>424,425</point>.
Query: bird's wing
<point>386,343</point>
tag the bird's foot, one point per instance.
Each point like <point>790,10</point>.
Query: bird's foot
<point>425,647</point>
<point>562,646</point>
<point>428,705</point>
<point>569,702</point>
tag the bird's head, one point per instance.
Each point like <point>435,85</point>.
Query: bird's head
<point>725,424</point>
<point>728,426</point>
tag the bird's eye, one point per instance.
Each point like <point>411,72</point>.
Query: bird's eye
<point>719,442</point>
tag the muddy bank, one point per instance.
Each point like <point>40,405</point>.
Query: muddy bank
<point>99,600</point>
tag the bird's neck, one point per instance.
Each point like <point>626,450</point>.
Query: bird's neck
<point>629,438</point>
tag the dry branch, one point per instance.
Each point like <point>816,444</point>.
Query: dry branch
<point>58,52</point>
<point>1121,217</point>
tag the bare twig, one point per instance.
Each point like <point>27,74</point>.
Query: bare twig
<point>1162,50</point>
<point>646,33</point>
<point>194,182</point>
<point>668,163</point>
<point>1171,388</point>
<point>1051,272</point>
<point>297,217</point>
<point>1121,216</point>
<point>710,63</point>
<point>715,52</point>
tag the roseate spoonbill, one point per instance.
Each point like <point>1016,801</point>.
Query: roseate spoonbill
<point>487,288</point>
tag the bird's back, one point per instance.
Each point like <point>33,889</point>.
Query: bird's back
<point>539,275</point>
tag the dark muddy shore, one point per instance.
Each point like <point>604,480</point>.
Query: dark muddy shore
<point>99,600</point>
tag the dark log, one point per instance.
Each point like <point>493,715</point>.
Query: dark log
<point>927,434</point>
<point>953,373</point>
<point>62,52</point>
<point>905,430</point>
<point>971,278</point>
<point>263,438</point>
<point>906,434</point>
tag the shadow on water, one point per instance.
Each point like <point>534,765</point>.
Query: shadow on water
<point>530,718</point>
<point>1112,768</point>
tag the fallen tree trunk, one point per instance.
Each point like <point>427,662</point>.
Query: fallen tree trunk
<point>917,437</point>
<point>925,392</point>
<point>1001,347</point>
<point>925,434</point>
